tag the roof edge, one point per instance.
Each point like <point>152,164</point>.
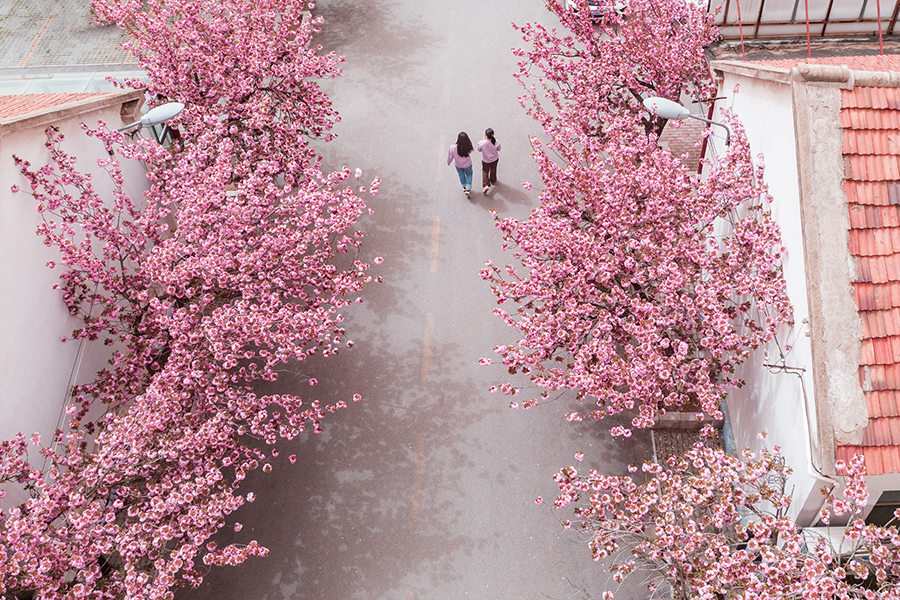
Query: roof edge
<point>766,72</point>
<point>75,108</point>
<point>842,75</point>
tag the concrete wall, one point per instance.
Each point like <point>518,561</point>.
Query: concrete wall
<point>37,370</point>
<point>776,400</point>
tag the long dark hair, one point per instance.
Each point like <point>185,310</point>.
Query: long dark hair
<point>490,135</point>
<point>463,144</point>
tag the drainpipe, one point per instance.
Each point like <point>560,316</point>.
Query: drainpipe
<point>811,468</point>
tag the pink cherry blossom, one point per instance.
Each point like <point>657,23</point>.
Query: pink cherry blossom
<point>236,262</point>
<point>710,525</point>
<point>623,287</point>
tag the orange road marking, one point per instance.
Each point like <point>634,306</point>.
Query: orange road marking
<point>435,242</point>
<point>426,351</point>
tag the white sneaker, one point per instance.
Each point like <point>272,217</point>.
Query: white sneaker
<point>487,189</point>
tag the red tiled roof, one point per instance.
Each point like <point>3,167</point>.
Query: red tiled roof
<point>888,62</point>
<point>870,118</point>
<point>23,104</point>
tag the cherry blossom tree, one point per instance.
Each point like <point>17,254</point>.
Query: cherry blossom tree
<point>237,261</point>
<point>640,285</point>
<point>709,525</point>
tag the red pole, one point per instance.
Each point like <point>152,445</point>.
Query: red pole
<point>741,28</point>
<point>880,43</point>
<point>808,48</point>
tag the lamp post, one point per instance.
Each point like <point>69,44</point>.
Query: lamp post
<point>668,109</point>
<point>155,116</point>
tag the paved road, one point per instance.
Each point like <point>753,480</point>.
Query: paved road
<point>56,36</point>
<point>426,488</point>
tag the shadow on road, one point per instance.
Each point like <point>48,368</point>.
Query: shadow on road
<point>501,198</point>
<point>371,498</point>
<point>381,41</point>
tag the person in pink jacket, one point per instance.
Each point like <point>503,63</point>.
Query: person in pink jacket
<point>489,148</point>
<point>459,154</point>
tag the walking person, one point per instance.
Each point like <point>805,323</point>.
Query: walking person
<point>489,148</point>
<point>459,155</point>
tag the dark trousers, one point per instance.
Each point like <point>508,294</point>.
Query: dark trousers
<point>489,173</point>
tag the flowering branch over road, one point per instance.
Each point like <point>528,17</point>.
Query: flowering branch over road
<point>639,285</point>
<point>226,271</point>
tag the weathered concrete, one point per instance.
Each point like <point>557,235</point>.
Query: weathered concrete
<point>834,316</point>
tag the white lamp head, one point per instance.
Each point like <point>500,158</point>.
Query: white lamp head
<point>666,109</point>
<point>162,113</point>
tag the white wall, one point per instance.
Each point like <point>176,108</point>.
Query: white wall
<point>773,402</point>
<point>37,370</point>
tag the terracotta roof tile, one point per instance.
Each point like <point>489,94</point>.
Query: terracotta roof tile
<point>889,216</point>
<point>873,403</point>
<point>881,239</point>
<point>872,456</point>
<point>873,216</point>
<point>895,351</point>
<point>862,267</point>
<point>23,104</point>
<point>884,353</point>
<point>857,242</point>
<point>873,460</point>
<point>845,453</point>
<point>894,293</point>
<point>892,376</point>
<point>875,377</point>
<point>868,353</point>
<point>873,324</point>
<point>876,324</point>
<point>890,459</point>
<point>867,141</point>
<point>884,350</point>
<point>877,268</point>
<point>892,267</point>
<point>893,192</point>
<point>891,320</point>
<point>858,217</point>
<point>882,404</point>
<point>871,151</point>
<point>893,233</point>
<point>865,296</point>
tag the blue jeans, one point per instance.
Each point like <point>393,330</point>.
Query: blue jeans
<point>465,176</point>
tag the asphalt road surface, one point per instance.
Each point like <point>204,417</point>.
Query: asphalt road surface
<point>426,488</point>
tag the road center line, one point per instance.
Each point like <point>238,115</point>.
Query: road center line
<point>435,243</point>
<point>447,87</point>
<point>426,350</point>
<point>417,480</point>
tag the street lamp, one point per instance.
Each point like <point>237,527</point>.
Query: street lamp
<point>155,116</point>
<point>668,109</point>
